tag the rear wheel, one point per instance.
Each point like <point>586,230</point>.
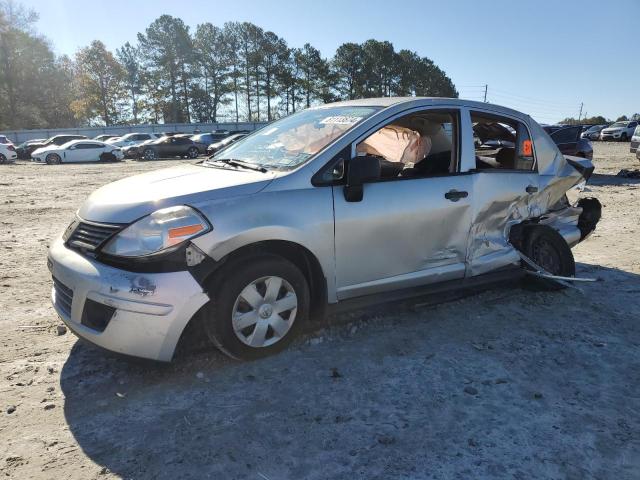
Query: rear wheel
<point>257,307</point>
<point>53,159</point>
<point>149,154</point>
<point>549,250</point>
<point>192,152</point>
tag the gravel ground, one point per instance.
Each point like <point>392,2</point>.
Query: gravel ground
<point>504,384</point>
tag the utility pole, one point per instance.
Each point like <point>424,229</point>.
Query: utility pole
<point>580,114</point>
<point>485,93</point>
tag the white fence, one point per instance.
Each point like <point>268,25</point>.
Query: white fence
<point>19,136</point>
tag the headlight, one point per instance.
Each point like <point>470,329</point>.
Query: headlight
<point>163,229</point>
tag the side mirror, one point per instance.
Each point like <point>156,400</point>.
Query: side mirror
<point>360,170</point>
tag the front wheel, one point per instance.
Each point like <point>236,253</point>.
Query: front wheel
<point>53,159</point>
<point>623,137</point>
<point>257,307</point>
<point>107,157</point>
<point>3,159</point>
<point>192,152</point>
<point>549,250</point>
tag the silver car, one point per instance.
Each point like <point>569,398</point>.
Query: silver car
<point>340,204</point>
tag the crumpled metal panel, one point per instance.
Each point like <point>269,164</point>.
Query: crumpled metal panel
<point>501,201</point>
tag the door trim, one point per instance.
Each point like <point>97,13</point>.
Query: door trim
<point>406,280</point>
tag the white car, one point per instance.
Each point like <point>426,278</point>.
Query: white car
<point>621,131</point>
<point>78,151</point>
<point>7,153</point>
<point>635,140</point>
<point>132,138</point>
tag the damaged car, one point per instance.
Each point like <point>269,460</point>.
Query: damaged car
<point>337,205</point>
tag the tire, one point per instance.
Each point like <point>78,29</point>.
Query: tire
<point>107,157</point>
<point>240,291</point>
<point>623,137</point>
<point>149,154</point>
<point>549,250</point>
<point>3,159</point>
<point>53,159</point>
<point>193,152</point>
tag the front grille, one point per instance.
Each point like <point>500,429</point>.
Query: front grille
<point>90,236</point>
<point>63,296</point>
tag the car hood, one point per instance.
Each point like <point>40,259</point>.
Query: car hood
<point>131,198</point>
<point>48,148</point>
<point>611,130</point>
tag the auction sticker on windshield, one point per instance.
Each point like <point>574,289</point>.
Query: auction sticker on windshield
<point>341,120</point>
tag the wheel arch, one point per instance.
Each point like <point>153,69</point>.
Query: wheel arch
<point>295,253</point>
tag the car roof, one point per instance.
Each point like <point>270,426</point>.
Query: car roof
<point>386,102</point>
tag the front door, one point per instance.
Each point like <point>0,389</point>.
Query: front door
<point>411,226</point>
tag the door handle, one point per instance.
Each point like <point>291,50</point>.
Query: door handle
<point>455,195</point>
<point>531,189</point>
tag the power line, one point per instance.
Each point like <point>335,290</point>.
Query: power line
<point>530,99</point>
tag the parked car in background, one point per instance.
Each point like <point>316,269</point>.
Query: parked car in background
<point>635,140</point>
<point>621,131</point>
<point>570,142</point>
<point>225,142</point>
<point>77,151</point>
<point>23,151</point>
<point>56,140</point>
<point>133,150</point>
<point>7,153</point>
<point>5,140</point>
<point>203,140</point>
<point>169,147</point>
<point>105,137</point>
<point>131,138</point>
<point>593,132</point>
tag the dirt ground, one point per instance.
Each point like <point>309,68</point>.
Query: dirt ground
<point>506,384</point>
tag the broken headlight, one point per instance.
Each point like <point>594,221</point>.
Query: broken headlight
<point>158,232</point>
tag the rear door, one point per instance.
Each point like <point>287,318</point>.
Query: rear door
<point>503,182</point>
<point>567,139</point>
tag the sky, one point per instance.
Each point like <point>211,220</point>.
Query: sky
<point>542,57</point>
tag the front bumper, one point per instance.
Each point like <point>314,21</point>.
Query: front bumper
<point>611,136</point>
<point>11,156</point>
<point>151,309</point>
<point>634,145</point>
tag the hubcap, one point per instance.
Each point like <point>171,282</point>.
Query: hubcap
<point>264,311</point>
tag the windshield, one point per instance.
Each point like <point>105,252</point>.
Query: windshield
<point>290,142</point>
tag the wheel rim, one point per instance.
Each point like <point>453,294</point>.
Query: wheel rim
<point>193,153</point>
<point>264,311</point>
<point>149,155</point>
<point>53,159</point>
<point>2,158</point>
<point>545,256</point>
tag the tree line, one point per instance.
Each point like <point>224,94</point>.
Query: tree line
<point>598,120</point>
<point>234,72</point>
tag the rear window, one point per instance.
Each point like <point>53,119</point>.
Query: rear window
<point>566,135</point>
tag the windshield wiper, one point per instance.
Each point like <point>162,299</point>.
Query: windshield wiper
<point>239,163</point>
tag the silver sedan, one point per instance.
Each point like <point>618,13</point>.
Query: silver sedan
<point>349,202</point>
